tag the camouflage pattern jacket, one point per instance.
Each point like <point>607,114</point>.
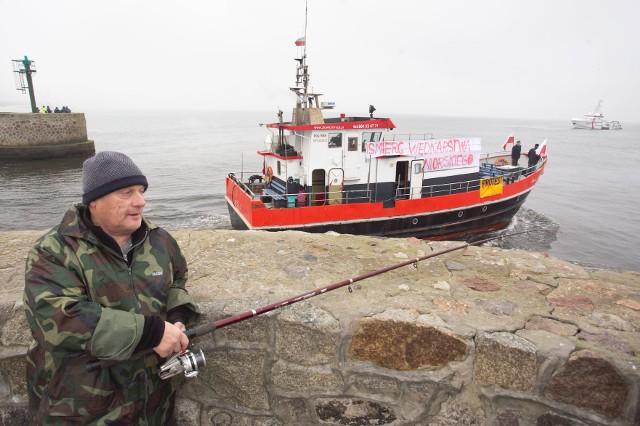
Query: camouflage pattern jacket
<point>83,301</point>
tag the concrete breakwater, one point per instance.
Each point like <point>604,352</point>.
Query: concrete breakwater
<point>480,336</point>
<point>27,136</point>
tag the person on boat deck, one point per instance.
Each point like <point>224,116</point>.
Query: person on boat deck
<point>515,153</point>
<point>533,156</point>
<point>105,283</point>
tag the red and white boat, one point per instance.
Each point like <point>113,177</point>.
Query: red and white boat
<point>595,120</point>
<point>352,175</point>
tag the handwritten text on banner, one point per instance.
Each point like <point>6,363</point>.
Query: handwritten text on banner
<point>439,154</point>
<point>491,186</point>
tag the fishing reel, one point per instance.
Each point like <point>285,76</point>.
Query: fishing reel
<point>186,362</point>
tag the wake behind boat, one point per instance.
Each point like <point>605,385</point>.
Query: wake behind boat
<point>351,174</point>
<point>595,120</point>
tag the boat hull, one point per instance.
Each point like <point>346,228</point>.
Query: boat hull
<point>597,125</point>
<point>446,216</point>
<point>439,225</point>
<point>586,124</point>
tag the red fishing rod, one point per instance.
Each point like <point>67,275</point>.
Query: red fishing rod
<point>188,362</point>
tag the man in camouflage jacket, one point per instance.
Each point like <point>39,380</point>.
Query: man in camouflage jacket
<point>105,284</point>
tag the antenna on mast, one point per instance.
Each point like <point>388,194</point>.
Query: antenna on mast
<point>307,108</point>
<point>302,74</point>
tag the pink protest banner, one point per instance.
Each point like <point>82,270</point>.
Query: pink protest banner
<point>438,154</point>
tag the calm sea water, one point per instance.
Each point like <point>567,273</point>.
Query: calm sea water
<point>584,209</point>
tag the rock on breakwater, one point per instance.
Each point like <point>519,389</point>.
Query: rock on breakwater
<point>476,336</point>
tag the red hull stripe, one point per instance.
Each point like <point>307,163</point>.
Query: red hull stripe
<point>381,123</point>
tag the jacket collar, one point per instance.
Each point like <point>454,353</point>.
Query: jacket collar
<point>77,223</point>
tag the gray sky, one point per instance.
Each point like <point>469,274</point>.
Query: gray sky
<point>544,59</point>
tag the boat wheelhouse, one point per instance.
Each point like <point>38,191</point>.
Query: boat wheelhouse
<point>354,175</point>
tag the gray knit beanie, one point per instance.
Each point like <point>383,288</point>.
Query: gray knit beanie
<point>108,171</point>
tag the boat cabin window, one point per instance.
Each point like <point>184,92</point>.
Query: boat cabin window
<point>353,144</point>
<point>335,140</point>
<point>279,168</point>
<point>370,137</point>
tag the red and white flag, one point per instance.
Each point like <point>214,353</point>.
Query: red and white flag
<point>510,140</point>
<point>542,149</point>
<point>301,41</point>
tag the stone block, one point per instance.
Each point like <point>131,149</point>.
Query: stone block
<point>532,285</point>
<point>235,375</point>
<point>480,284</point>
<point>591,382</point>
<point>14,416</point>
<point>406,346</point>
<point>609,341</point>
<point>572,302</point>
<point>555,419</point>
<point>13,373</point>
<point>16,329</point>
<point>293,380</point>
<point>499,307</point>
<point>292,411</point>
<point>552,326</point>
<point>187,412</point>
<point>366,385</point>
<point>505,360</point>
<point>351,411</point>
<point>307,335</point>
<point>222,416</point>
<point>457,414</point>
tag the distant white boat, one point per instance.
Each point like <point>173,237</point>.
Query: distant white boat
<point>595,120</point>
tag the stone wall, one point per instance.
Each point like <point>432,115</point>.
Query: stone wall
<point>480,336</point>
<point>30,136</point>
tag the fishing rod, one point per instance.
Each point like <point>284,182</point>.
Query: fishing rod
<point>188,361</point>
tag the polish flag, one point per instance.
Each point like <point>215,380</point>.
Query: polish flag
<point>301,41</point>
<point>510,140</point>
<point>542,149</point>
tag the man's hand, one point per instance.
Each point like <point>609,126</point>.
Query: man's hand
<point>173,340</point>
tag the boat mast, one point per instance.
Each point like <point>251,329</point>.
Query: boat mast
<point>305,111</point>
<point>302,71</point>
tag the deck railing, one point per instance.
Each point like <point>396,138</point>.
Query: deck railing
<point>299,199</point>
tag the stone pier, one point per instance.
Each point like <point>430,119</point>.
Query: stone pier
<point>29,136</point>
<point>480,336</point>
